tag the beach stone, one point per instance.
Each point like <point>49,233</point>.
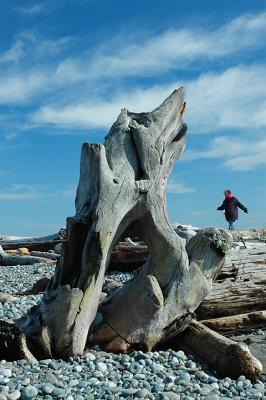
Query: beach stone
<point>14,395</point>
<point>212,397</point>
<point>29,392</point>
<point>94,381</point>
<point>101,367</point>
<point>135,367</point>
<point>158,388</point>
<point>48,388</point>
<point>54,365</point>
<point>3,397</point>
<point>215,386</point>
<point>172,395</point>
<point>25,382</point>
<point>201,375</point>
<point>142,393</point>
<point>73,382</point>
<point>134,383</point>
<point>89,356</point>
<point>140,376</point>
<point>51,378</point>
<point>157,367</point>
<point>77,368</point>
<point>59,392</point>
<point>129,392</point>
<point>6,372</point>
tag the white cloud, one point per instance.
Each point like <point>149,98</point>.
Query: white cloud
<point>33,10</point>
<point>173,49</point>
<point>101,113</point>
<point>13,54</point>
<point>237,153</point>
<point>247,162</point>
<point>22,88</point>
<point>11,136</point>
<point>232,99</point>
<point>20,192</point>
<point>31,192</point>
<point>177,187</point>
<point>124,57</point>
<point>215,102</point>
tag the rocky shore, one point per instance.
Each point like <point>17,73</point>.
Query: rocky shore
<point>162,375</point>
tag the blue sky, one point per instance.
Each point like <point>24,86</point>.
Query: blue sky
<point>67,67</point>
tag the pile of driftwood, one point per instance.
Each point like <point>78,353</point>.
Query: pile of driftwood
<point>121,191</point>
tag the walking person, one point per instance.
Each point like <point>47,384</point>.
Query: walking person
<point>230,206</point>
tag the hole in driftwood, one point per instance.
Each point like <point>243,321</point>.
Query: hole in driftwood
<point>131,251</point>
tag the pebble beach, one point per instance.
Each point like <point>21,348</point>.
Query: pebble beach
<point>161,375</point>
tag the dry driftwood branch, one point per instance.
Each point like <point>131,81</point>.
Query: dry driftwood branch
<point>224,355</point>
<point>240,322</point>
<point>122,189</point>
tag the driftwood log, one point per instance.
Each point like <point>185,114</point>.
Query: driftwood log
<point>9,260</point>
<point>227,357</point>
<point>239,322</point>
<point>122,189</point>
<point>240,287</point>
<point>44,243</point>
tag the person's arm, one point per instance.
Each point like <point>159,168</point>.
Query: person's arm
<point>222,207</point>
<point>240,205</point>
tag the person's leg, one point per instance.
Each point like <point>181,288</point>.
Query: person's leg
<point>231,225</point>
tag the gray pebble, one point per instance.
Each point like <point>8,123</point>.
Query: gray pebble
<point>29,392</point>
<point>14,395</point>
<point>59,392</point>
<point>142,394</point>
<point>172,395</point>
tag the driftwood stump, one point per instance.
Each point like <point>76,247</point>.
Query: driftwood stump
<point>122,187</point>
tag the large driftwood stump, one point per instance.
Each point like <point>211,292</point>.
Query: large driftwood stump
<point>122,187</point>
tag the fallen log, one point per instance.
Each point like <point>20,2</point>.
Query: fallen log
<point>127,258</point>
<point>32,245</point>
<point>8,260</point>
<point>222,354</point>
<point>240,322</point>
<point>240,288</point>
<point>45,254</point>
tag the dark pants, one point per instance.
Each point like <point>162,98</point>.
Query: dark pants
<point>231,225</point>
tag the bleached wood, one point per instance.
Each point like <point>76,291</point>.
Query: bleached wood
<point>239,322</point>
<point>7,260</point>
<point>121,189</point>
<point>240,286</point>
<point>227,357</point>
